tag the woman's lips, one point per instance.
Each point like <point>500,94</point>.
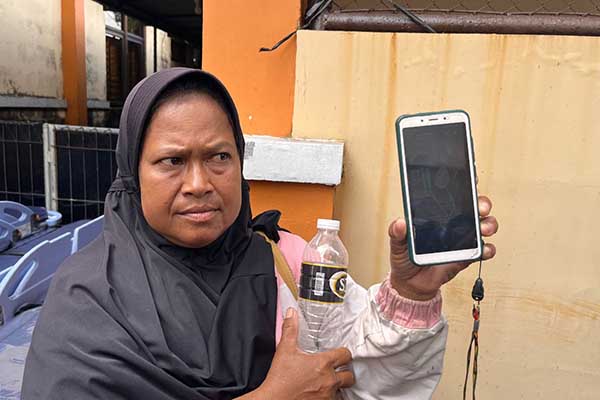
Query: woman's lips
<point>199,216</point>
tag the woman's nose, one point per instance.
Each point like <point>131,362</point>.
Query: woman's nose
<point>196,181</point>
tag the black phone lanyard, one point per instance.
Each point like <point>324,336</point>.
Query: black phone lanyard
<point>477,295</point>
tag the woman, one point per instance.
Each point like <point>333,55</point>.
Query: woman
<point>178,298</point>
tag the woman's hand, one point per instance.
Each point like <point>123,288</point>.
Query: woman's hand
<point>422,283</point>
<point>296,375</point>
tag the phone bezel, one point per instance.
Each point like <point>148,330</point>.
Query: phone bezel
<point>433,119</point>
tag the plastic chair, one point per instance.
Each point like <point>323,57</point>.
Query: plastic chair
<point>6,263</point>
<point>54,218</point>
<point>27,282</point>
<point>15,214</point>
<point>6,235</point>
<point>15,339</point>
<point>87,232</point>
<point>21,247</point>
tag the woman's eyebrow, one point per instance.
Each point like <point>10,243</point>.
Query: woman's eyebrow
<point>208,148</point>
<point>220,145</point>
<point>170,147</point>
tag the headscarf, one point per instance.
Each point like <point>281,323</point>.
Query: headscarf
<point>134,316</point>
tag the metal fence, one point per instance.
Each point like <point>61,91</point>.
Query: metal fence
<point>21,163</point>
<point>505,7</point>
<point>555,17</point>
<point>80,166</point>
<point>62,167</point>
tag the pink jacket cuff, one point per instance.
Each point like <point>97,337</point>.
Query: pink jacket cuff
<point>408,313</point>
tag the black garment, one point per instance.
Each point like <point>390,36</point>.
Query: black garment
<point>133,316</point>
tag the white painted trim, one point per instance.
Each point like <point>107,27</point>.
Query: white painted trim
<point>50,166</point>
<point>79,128</point>
<point>293,160</point>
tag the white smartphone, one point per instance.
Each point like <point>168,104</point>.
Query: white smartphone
<point>439,187</point>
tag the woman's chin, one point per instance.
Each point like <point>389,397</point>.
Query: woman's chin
<point>194,239</point>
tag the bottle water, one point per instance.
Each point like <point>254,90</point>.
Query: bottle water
<point>322,288</point>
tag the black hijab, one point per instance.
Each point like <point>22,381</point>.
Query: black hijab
<point>134,316</point>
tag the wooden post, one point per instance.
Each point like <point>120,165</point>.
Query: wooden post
<point>73,59</point>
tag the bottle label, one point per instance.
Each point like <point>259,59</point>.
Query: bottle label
<point>323,283</point>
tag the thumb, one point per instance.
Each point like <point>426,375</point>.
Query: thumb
<point>289,330</point>
<point>397,232</point>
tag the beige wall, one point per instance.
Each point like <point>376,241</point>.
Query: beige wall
<point>534,103</point>
<point>95,50</point>
<point>163,47</point>
<point>30,64</point>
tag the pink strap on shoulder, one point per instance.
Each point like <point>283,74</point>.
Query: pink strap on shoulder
<point>292,248</point>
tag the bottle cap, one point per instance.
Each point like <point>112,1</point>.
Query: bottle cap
<point>331,224</point>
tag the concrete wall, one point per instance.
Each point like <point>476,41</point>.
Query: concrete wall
<point>30,64</point>
<point>95,50</point>
<point>534,104</point>
<point>163,47</point>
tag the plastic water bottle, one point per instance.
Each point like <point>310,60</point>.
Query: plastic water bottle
<point>322,288</point>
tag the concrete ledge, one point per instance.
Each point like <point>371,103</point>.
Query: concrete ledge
<point>31,102</point>
<point>293,160</point>
<point>98,105</point>
<point>45,102</point>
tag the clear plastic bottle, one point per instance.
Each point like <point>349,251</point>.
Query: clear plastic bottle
<point>322,288</point>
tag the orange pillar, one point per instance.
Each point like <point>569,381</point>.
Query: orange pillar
<point>73,59</point>
<point>262,85</point>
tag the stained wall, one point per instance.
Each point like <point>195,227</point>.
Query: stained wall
<point>534,104</point>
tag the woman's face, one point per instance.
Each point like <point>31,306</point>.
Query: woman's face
<point>189,171</point>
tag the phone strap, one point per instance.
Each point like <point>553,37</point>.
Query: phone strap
<point>282,267</point>
<point>477,295</point>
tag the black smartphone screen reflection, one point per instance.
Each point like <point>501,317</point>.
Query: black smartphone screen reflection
<point>439,186</point>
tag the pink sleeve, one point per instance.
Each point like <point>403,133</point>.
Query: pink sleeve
<point>405,312</point>
<point>292,247</point>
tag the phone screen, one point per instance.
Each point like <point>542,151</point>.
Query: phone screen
<point>440,190</point>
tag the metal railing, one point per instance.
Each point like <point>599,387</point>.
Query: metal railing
<point>504,7</point>
<point>556,17</point>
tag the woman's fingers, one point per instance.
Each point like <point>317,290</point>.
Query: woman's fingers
<point>289,330</point>
<point>345,378</point>
<point>397,232</point>
<point>489,226</point>
<point>338,357</point>
<point>489,251</point>
<point>447,272</point>
<point>485,206</point>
